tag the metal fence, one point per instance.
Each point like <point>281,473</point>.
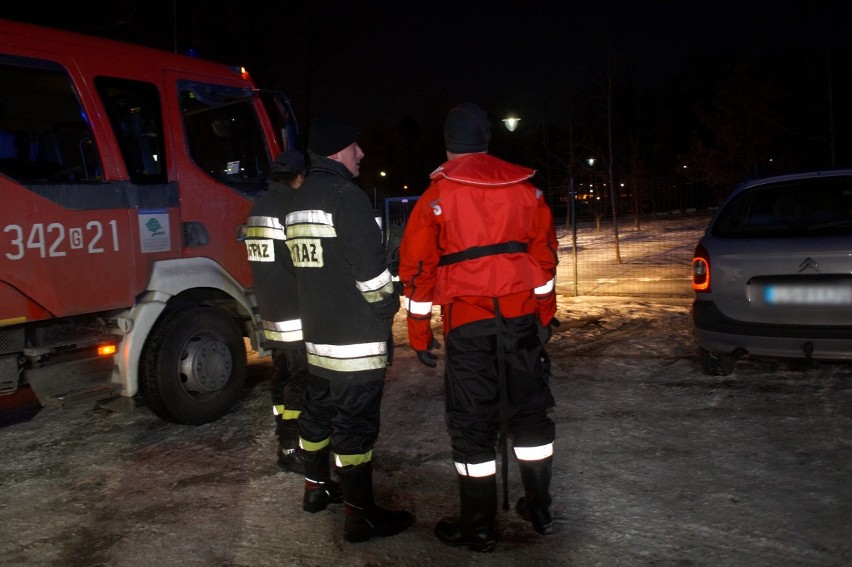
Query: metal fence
<point>394,219</point>
<point>653,257</point>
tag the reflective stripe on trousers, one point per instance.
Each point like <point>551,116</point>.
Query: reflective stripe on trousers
<point>534,453</point>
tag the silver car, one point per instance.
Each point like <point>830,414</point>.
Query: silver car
<point>773,272</point>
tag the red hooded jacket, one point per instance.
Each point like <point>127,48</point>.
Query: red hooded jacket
<point>480,231</point>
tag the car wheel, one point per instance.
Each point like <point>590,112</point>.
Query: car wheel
<point>716,363</point>
<point>194,365</point>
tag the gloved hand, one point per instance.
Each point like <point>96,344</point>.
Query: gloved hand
<point>386,308</point>
<point>426,357</point>
<point>398,288</point>
<point>545,332</point>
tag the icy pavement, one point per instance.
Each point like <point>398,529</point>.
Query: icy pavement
<point>656,464</point>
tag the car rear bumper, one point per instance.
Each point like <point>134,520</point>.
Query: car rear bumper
<point>717,333</point>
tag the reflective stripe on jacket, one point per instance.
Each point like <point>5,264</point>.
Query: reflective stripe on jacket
<point>337,250</point>
<point>272,269</point>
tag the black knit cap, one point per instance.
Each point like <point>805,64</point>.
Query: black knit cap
<point>331,133</point>
<point>290,161</point>
<point>466,129</point>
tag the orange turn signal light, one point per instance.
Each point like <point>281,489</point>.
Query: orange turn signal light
<point>106,350</point>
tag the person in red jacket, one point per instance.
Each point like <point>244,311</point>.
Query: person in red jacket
<point>480,243</point>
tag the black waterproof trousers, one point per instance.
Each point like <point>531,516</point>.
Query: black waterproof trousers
<point>479,396</point>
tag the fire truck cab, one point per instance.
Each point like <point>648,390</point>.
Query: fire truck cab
<point>126,175</point>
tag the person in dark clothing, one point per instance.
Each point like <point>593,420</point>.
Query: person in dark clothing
<point>275,289</point>
<point>347,303</point>
<point>480,243</point>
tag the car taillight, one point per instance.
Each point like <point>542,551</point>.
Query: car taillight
<point>701,270</point>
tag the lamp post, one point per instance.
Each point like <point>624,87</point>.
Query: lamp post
<point>382,174</point>
<point>511,122</point>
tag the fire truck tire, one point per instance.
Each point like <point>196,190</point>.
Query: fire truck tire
<point>193,366</point>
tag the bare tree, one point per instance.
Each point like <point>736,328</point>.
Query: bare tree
<point>606,91</point>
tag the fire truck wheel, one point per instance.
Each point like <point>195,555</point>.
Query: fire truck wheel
<point>193,366</point>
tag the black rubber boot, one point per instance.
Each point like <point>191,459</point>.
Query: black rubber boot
<point>535,506</point>
<point>364,519</point>
<point>320,490</point>
<point>476,527</point>
<point>291,458</point>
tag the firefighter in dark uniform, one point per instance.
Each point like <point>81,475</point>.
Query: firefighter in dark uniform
<point>275,289</point>
<point>480,243</point>
<point>347,303</point>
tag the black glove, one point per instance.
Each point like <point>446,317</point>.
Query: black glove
<point>386,308</point>
<point>426,357</point>
<point>398,288</point>
<point>545,332</point>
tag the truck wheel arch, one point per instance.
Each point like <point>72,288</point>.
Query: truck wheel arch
<point>173,284</point>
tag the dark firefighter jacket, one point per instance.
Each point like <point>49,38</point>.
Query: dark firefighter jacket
<point>272,270</point>
<point>346,295</point>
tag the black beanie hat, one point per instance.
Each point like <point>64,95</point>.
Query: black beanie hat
<point>290,161</point>
<point>467,129</point>
<point>331,133</point>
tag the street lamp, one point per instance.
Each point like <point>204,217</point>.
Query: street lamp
<point>511,123</point>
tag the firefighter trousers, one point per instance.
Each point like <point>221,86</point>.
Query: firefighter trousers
<point>344,413</point>
<point>289,377</point>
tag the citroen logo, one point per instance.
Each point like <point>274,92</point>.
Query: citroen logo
<point>809,264</point>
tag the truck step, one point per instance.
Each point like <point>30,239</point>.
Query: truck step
<point>72,381</point>
<point>8,374</point>
<point>8,386</point>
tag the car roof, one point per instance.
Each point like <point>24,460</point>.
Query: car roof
<point>792,177</point>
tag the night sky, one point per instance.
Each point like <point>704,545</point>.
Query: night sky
<point>403,64</point>
<point>389,57</point>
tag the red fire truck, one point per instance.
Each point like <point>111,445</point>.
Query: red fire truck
<point>126,174</point>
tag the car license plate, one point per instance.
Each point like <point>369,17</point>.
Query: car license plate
<point>808,294</point>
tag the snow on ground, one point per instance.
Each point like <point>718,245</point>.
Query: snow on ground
<point>656,464</point>
<point>655,257</point>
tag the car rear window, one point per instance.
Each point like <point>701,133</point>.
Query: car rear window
<point>794,208</point>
